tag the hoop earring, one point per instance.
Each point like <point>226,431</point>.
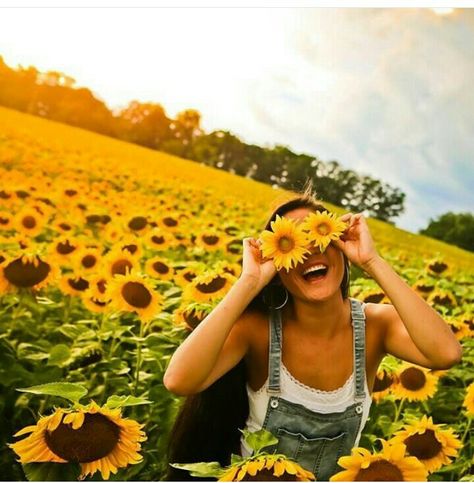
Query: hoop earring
<point>279,306</point>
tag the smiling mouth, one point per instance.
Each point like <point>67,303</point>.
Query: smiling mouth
<point>316,275</point>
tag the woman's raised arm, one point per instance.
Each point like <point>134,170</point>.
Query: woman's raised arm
<point>220,341</point>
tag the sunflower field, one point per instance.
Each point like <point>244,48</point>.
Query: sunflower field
<point>110,254</point>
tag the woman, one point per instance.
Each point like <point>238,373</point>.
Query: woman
<point>309,372</point>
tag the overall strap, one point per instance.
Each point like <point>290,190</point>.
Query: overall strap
<point>358,324</point>
<point>274,352</point>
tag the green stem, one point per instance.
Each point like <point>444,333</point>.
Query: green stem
<point>139,356</point>
<point>468,426</point>
<point>399,410</point>
<point>67,308</point>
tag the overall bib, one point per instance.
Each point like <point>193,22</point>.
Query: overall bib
<point>315,440</point>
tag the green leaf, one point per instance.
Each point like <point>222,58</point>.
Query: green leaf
<point>67,390</point>
<point>260,439</point>
<point>235,459</point>
<point>202,470</point>
<point>58,355</point>
<point>52,471</point>
<point>114,402</point>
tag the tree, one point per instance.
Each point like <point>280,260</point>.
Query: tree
<point>144,123</point>
<point>455,228</point>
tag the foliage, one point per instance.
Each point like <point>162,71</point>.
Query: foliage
<point>455,228</point>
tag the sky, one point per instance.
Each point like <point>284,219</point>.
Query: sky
<point>386,92</point>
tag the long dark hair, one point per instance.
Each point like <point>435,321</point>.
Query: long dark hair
<point>207,426</point>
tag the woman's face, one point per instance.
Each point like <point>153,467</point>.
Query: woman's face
<point>310,287</point>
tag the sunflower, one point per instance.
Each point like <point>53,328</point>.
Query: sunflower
<point>6,221</point>
<point>191,315</point>
<point>459,328</point>
<point>468,402</point>
<point>133,293</point>
<point>415,383</point>
<point>209,286</point>
<point>391,464</point>
<point>63,248</point>
<point>428,442</point>
<point>266,467</point>
<point>444,298</point>
<point>286,243</point>
<point>29,222</point>
<point>170,222</point>
<point>137,224</point>
<point>29,270</point>
<point>322,227</point>
<point>436,267</point>
<point>159,267</point>
<point>159,239</point>
<point>424,286</point>
<point>119,262</point>
<point>234,246</point>
<point>73,284</point>
<point>384,380</point>
<point>97,438</point>
<point>186,275</point>
<point>132,245</point>
<point>375,296</point>
<point>87,259</point>
<point>210,240</point>
<point>95,296</point>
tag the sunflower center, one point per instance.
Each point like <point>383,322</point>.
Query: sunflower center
<point>137,223</point>
<point>96,438</point>
<point>413,379</point>
<point>79,284</point>
<point>120,267</point>
<point>89,261</point>
<point>161,267</point>
<point>192,319</point>
<point>157,239</point>
<point>267,475</point>
<point>65,248</point>
<point>136,295</point>
<point>323,229</point>
<point>374,298</point>
<point>189,276</point>
<point>384,383</point>
<point>26,274</point>
<point>285,244</point>
<point>4,221</point>
<point>423,446</point>
<point>425,288</point>
<point>380,470</point>
<point>168,221</point>
<point>438,267</point>
<point>29,222</point>
<point>213,286</point>
<point>210,239</point>
<point>130,248</point>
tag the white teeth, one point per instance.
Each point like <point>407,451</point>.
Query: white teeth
<point>314,267</point>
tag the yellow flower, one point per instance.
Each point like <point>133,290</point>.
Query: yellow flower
<point>97,438</point>
<point>414,383</point>
<point>209,286</point>
<point>391,464</point>
<point>133,293</point>
<point>428,442</point>
<point>469,400</point>
<point>384,380</point>
<point>267,467</point>
<point>287,243</point>
<point>322,227</point>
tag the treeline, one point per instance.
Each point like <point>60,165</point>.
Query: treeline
<point>53,95</point>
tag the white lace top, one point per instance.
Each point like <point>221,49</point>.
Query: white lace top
<point>314,399</point>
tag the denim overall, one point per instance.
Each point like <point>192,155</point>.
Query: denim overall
<point>315,440</point>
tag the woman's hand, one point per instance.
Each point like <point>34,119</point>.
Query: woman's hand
<point>254,267</point>
<point>356,241</point>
